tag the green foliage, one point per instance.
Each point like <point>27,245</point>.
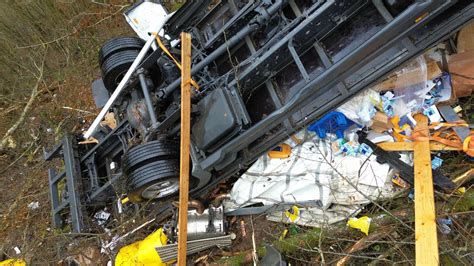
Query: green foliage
<point>295,242</point>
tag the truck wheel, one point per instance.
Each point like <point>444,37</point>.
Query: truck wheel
<point>115,67</point>
<point>119,44</point>
<point>142,154</point>
<point>156,180</point>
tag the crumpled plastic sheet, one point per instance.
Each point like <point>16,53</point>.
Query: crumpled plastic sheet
<point>341,184</point>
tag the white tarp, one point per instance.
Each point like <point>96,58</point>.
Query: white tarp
<point>340,184</point>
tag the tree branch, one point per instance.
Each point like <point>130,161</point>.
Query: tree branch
<point>27,107</point>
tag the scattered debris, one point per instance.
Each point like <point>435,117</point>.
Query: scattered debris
<point>362,223</point>
<point>101,217</point>
<point>17,250</point>
<point>280,152</point>
<point>33,205</point>
<point>436,162</point>
<point>445,225</point>
<point>273,257</point>
<point>88,256</point>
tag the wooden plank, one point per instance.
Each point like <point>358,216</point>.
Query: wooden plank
<point>408,146</point>
<point>426,240</point>
<point>185,146</point>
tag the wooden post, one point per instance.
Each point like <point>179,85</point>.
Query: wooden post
<point>185,143</point>
<point>426,240</point>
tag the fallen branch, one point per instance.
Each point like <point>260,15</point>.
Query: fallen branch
<point>364,243</point>
<point>26,109</point>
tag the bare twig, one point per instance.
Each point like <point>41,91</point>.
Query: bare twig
<point>78,110</point>
<point>254,245</point>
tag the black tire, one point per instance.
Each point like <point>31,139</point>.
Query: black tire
<point>144,182</point>
<point>115,67</point>
<point>119,44</point>
<point>142,154</point>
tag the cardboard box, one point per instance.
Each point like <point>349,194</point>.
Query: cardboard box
<point>381,123</point>
<point>409,76</point>
<point>461,68</point>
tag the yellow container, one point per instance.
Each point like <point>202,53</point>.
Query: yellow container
<point>143,252</point>
<point>13,262</point>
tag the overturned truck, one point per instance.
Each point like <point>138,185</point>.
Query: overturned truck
<point>265,69</point>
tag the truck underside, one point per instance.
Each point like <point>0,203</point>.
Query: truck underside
<point>265,69</point>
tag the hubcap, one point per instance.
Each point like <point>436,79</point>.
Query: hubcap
<point>161,189</point>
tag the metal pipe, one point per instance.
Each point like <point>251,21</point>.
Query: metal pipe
<point>196,204</point>
<point>146,94</point>
<point>124,80</point>
<point>219,198</point>
<point>239,36</point>
<point>192,204</point>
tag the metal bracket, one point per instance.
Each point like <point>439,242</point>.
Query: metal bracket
<point>72,174</point>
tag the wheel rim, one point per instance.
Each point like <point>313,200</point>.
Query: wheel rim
<point>119,78</point>
<point>161,189</point>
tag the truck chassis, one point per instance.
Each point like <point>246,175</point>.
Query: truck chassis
<point>266,69</point>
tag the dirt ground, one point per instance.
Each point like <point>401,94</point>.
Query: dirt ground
<point>67,61</point>
<point>64,103</point>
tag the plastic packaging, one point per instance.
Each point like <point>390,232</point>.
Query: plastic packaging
<point>436,162</point>
<point>364,149</point>
<point>441,90</point>
<point>410,98</point>
<point>361,108</point>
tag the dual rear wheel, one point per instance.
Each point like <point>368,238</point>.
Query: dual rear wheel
<point>152,168</point>
<point>152,171</point>
<point>115,58</point>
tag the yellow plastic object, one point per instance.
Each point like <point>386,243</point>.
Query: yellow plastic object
<point>293,214</point>
<point>362,223</point>
<point>397,129</point>
<point>283,234</point>
<point>397,180</point>
<point>125,200</point>
<point>13,262</point>
<point>460,191</point>
<point>282,151</point>
<point>143,252</point>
